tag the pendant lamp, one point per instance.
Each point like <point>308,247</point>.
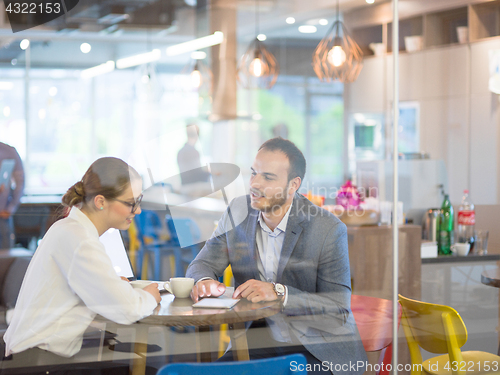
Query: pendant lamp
<point>200,76</point>
<point>337,57</point>
<point>257,67</point>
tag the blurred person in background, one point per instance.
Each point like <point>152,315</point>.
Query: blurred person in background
<point>189,159</point>
<point>10,197</point>
<point>280,130</point>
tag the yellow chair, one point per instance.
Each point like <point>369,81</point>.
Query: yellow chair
<point>224,335</point>
<point>440,329</point>
<point>134,245</point>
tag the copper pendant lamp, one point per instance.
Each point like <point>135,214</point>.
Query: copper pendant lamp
<point>200,76</point>
<point>337,57</point>
<point>257,67</point>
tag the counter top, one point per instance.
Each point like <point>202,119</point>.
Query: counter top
<point>41,199</point>
<point>458,259</point>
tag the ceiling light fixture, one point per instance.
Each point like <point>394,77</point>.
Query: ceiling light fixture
<point>337,57</point>
<point>98,70</point>
<point>201,76</point>
<point>196,76</point>
<point>112,18</point>
<point>85,47</point>
<point>198,55</point>
<point>262,37</point>
<point>307,29</point>
<point>195,44</point>
<point>25,43</point>
<point>290,20</point>
<point>257,67</point>
<point>323,22</point>
<point>140,59</point>
<point>370,1</point>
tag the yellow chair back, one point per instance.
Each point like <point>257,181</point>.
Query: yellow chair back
<point>435,328</point>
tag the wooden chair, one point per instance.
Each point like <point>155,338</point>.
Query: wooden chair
<point>440,329</point>
<point>374,321</point>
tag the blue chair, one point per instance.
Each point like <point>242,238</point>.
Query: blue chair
<point>185,235</point>
<point>290,364</point>
<point>183,232</point>
<point>149,232</point>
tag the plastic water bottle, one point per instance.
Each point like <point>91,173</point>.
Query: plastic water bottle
<point>445,227</point>
<point>466,220</point>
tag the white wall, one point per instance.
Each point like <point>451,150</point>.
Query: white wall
<point>459,117</point>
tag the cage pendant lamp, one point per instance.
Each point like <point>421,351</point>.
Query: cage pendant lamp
<point>337,57</point>
<point>200,76</point>
<point>257,67</point>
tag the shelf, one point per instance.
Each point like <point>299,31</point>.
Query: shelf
<point>484,20</point>
<point>367,35</point>
<point>441,28</point>
<point>408,27</point>
<point>480,20</point>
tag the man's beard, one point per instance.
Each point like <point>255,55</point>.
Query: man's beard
<point>275,202</point>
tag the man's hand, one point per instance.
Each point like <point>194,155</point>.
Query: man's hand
<point>153,290</point>
<point>124,278</point>
<point>256,291</point>
<point>4,214</point>
<point>207,288</point>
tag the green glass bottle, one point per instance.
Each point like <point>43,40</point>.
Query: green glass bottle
<point>445,227</point>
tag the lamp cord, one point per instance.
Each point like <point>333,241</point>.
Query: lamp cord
<point>256,18</point>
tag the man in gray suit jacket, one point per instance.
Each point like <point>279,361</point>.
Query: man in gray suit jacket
<point>288,249</point>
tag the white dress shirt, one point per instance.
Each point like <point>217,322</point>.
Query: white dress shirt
<point>68,282</point>
<point>269,244</point>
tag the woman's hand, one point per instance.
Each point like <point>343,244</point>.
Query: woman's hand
<point>153,290</point>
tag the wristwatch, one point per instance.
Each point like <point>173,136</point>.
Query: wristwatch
<point>279,289</point>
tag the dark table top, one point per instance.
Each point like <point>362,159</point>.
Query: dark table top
<point>491,277</point>
<point>179,312</point>
<point>459,259</point>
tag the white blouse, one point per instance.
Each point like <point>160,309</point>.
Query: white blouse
<point>68,282</point>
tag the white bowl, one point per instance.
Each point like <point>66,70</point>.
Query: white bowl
<point>414,43</point>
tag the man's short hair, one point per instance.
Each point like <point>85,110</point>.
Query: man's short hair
<point>294,155</point>
<point>192,130</point>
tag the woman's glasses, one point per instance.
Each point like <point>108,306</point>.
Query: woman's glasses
<point>134,206</point>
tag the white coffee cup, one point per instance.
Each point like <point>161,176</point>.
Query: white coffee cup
<point>180,286</point>
<point>461,249</point>
<point>140,284</point>
<point>378,49</point>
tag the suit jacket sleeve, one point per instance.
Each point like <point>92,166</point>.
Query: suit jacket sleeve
<point>213,259</point>
<point>331,300</point>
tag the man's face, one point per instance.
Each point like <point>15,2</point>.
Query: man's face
<point>269,186</point>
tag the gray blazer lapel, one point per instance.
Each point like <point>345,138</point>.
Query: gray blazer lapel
<point>252,246</point>
<point>292,234</point>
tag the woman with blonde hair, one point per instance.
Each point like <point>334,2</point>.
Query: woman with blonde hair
<point>70,278</point>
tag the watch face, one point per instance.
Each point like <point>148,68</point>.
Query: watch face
<point>279,288</point>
